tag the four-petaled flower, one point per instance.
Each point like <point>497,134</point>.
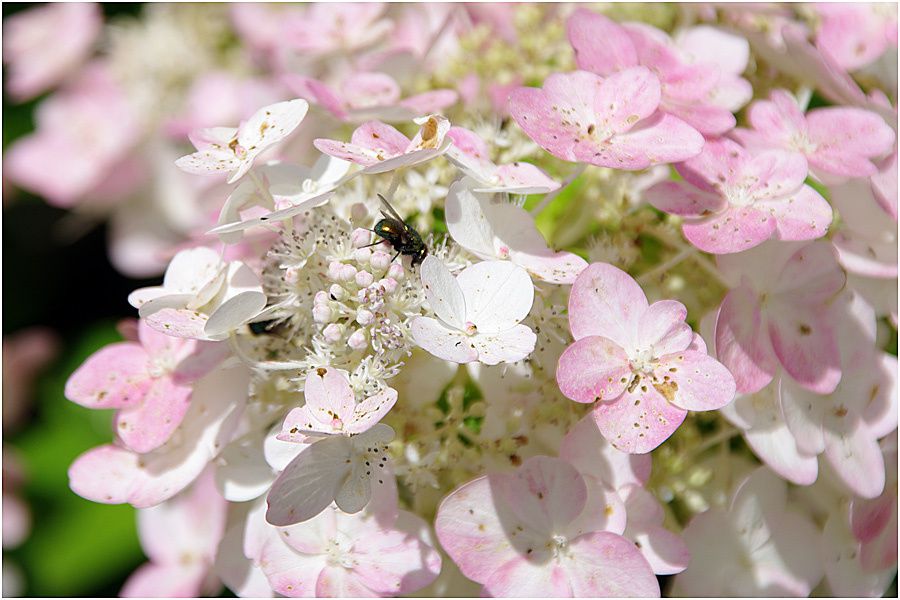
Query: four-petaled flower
<point>640,363</point>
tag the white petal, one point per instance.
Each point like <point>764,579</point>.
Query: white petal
<point>310,483</point>
<point>498,295</point>
<point>466,219</point>
<point>511,345</point>
<point>449,344</point>
<point>443,292</point>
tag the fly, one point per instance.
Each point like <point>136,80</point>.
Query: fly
<point>400,235</point>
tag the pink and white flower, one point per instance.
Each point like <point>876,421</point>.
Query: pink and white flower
<point>539,532</point>
<point>699,75</point>
<point>233,150</point>
<point>180,537</point>
<point>37,55</point>
<point>470,153</point>
<point>380,148</point>
<point>779,312</point>
<point>492,229</point>
<point>640,363</point>
<point>344,455</point>
<point>759,546</point>
<point>609,122</point>
<point>202,297</point>
<point>111,474</point>
<point>837,141</point>
<point>479,312</point>
<point>336,554</point>
<point>148,383</point>
<point>734,199</point>
<point>365,96</point>
<point>856,35</point>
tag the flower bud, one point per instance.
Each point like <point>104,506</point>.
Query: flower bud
<point>364,279</point>
<point>333,333</point>
<point>364,316</point>
<point>322,313</point>
<point>360,237</point>
<point>396,272</point>
<point>336,292</point>
<point>357,340</point>
<point>380,260</point>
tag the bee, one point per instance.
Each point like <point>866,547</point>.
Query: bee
<point>401,236</point>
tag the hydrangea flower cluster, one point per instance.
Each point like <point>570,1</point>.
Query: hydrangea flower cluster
<point>624,309</point>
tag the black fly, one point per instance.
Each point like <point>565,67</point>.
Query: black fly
<point>401,236</point>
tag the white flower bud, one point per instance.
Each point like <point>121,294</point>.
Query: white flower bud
<point>357,340</point>
<point>364,279</point>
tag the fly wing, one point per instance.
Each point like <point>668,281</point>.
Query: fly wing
<point>393,213</point>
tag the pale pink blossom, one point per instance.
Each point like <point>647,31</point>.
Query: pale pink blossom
<point>640,364</point>
<point>343,555</point>
<point>493,229</point>
<point>699,74</point>
<point>343,454</point>
<point>609,122</point>
<point>479,312</point>
<point>85,131</point>
<point>25,354</point>
<point>111,474</point>
<point>147,382</point>
<point>539,531</point>
<point>229,150</point>
<point>202,297</point>
<point>734,199</point>
<point>180,537</point>
<point>380,148</point>
<point>585,448</point>
<point>856,34</point>
<point>38,57</point>
<point>364,96</point>
<point>874,521</point>
<point>470,154</point>
<point>760,545</point>
<point>324,27</point>
<point>837,141</point>
<point>779,312</point>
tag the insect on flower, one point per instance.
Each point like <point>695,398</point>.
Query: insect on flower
<point>400,235</point>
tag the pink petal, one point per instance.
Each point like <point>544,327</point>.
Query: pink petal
<point>593,369</point>
<point>601,45</point>
<point>811,276</point>
<point>734,230</point>
<point>317,92</point>
<point>113,377</point>
<point>805,215</point>
<point>547,493</point>
<point>606,301</point>
<point>854,455</point>
<point>557,118</point>
<point>333,581</point>
<point>525,178</point>
<point>149,425</point>
<point>846,138</point>
<point>329,396</point>
<point>178,322</point>
<point>717,165</point>
<point>708,119</point>
<point>884,184</point>
<point>659,139</point>
<point>662,328</point>
<point>742,343</point>
<point>874,523</point>
<point>626,97</point>
<point>556,267</point>
<point>586,448</point>
<point>371,410</point>
<point>350,152</point>
<point>165,581</point>
<point>471,531</point>
<point>604,564</point>
<point>665,551</point>
<point>638,421</point>
<point>521,577</point>
<point>772,174</point>
<point>430,102</point>
<point>694,381</point>
<point>679,198</point>
<point>779,118</point>
<point>804,342</point>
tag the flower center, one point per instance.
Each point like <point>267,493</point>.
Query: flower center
<point>471,329</point>
<point>642,361</point>
<point>560,545</point>
<point>338,553</point>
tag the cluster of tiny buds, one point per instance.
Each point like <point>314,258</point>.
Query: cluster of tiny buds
<point>352,310</point>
